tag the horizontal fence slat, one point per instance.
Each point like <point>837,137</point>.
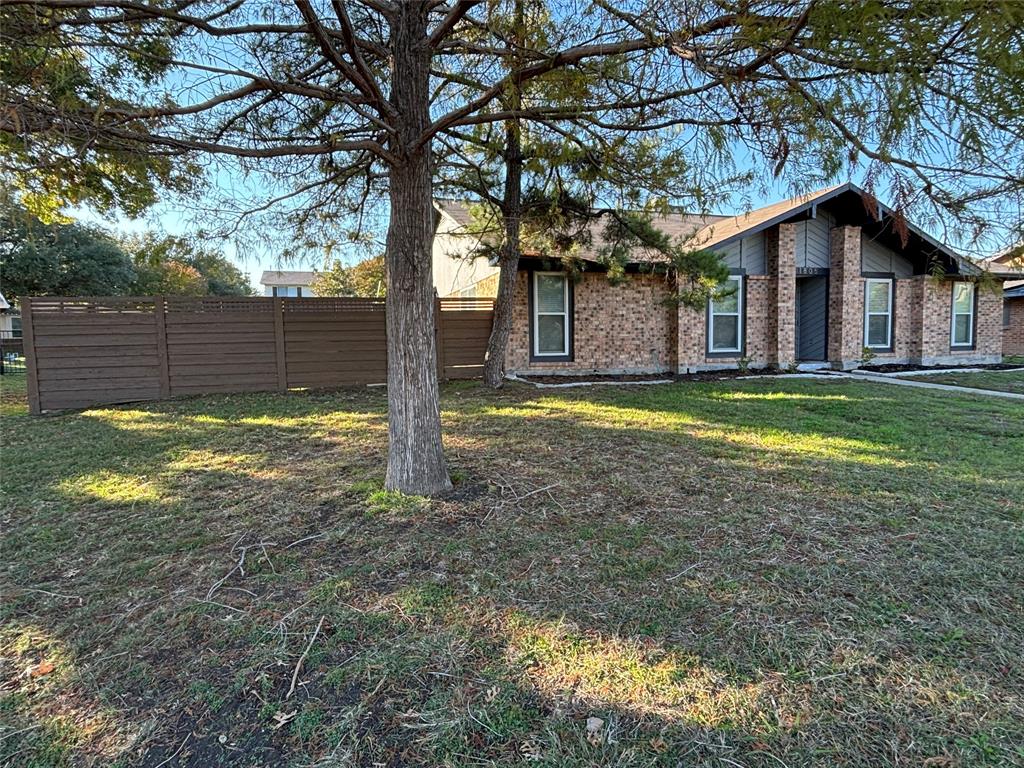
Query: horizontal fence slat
<point>199,379</point>
<point>107,372</point>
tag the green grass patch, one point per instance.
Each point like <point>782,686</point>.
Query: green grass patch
<point>1000,381</point>
<point>760,573</point>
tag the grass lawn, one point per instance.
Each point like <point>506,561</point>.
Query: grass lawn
<point>1002,381</point>
<point>766,573</point>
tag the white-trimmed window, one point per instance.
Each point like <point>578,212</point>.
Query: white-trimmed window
<point>551,321</point>
<point>961,330</point>
<point>725,317</point>
<point>288,291</point>
<point>878,313</point>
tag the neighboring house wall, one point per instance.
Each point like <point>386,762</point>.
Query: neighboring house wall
<point>456,273</point>
<point>289,290</point>
<point>1013,326</point>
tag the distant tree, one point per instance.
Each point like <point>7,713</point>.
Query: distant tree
<point>336,280</point>
<point>39,259</point>
<point>170,277</point>
<point>183,265</point>
<point>364,279</point>
<point>369,277</point>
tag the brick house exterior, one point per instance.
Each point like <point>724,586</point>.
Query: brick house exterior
<point>817,280</point>
<point>1013,321</point>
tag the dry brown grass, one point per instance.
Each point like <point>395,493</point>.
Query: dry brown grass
<point>757,574</point>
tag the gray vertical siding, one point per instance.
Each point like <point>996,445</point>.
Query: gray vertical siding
<point>746,254</point>
<point>813,241</point>
<point>875,257</point>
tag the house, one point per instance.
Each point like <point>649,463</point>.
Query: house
<point>454,274</point>
<point>10,320</point>
<point>1013,302</point>
<point>826,279</point>
<point>291,283</point>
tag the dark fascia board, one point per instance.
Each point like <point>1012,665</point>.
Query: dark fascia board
<point>1017,292</point>
<point>883,210</point>
<point>554,262</point>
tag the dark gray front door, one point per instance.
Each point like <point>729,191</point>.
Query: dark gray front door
<point>811,317</point>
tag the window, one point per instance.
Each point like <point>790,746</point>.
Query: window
<point>551,315</point>
<point>878,314</point>
<point>962,324</point>
<point>725,317</point>
<point>288,291</point>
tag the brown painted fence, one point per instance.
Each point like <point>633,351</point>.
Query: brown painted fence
<point>81,352</point>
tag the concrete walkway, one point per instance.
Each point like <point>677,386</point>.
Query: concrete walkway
<point>881,379</point>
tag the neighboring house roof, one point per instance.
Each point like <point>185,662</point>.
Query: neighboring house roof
<point>675,224</point>
<point>456,210</point>
<point>287,277</point>
<point>1014,291</point>
<point>4,306</point>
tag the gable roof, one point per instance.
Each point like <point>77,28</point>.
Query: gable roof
<point>3,303</point>
<point>287,277</point>
<point>714,232</point>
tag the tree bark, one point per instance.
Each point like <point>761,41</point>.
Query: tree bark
<point>512,212</point>
<point>508,262</point>
<point>415,456</point>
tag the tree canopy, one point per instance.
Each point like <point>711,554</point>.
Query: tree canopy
<point>74,259</point>
<point>365,279</point>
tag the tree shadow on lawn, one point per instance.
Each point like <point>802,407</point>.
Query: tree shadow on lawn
<point>648,560</point>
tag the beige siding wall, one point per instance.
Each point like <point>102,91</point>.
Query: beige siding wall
<point>455,271</point>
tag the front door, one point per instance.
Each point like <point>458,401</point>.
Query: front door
<point>811,318</point>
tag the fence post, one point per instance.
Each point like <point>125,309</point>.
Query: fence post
<point>28,340</point>
<point>160,310</point>
<point>438,337</point>
<point>282,366</point>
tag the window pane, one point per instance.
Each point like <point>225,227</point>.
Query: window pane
<point>730,303</point>
<point>550,293</point>
<point>725,334</point>
<point>963,298</point>
<point>551,334</point>
<point>878,331</point>
<point>962,329</point>
<point>878,297</point>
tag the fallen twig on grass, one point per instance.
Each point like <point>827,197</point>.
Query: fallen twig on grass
<point>302,658</point>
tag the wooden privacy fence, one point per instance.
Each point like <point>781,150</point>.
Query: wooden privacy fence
<point>81,352</point>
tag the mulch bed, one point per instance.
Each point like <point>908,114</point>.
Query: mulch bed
<point>600,378</point>
<point>900,368</point>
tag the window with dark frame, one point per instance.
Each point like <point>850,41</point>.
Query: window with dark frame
<point>551,321</point>
<point>725,317</point>
<point>961,332</point>
<point>878,313</point>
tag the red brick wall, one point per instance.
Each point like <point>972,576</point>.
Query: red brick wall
<point>760,329</point>
<point>845,299</point>
<point>780,264</point>
<point>936,309</point>
<point>1013,334</point>
<point>626,328</point>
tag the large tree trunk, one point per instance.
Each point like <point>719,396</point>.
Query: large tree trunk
<point>415,457</point>
<point>508,260</point>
